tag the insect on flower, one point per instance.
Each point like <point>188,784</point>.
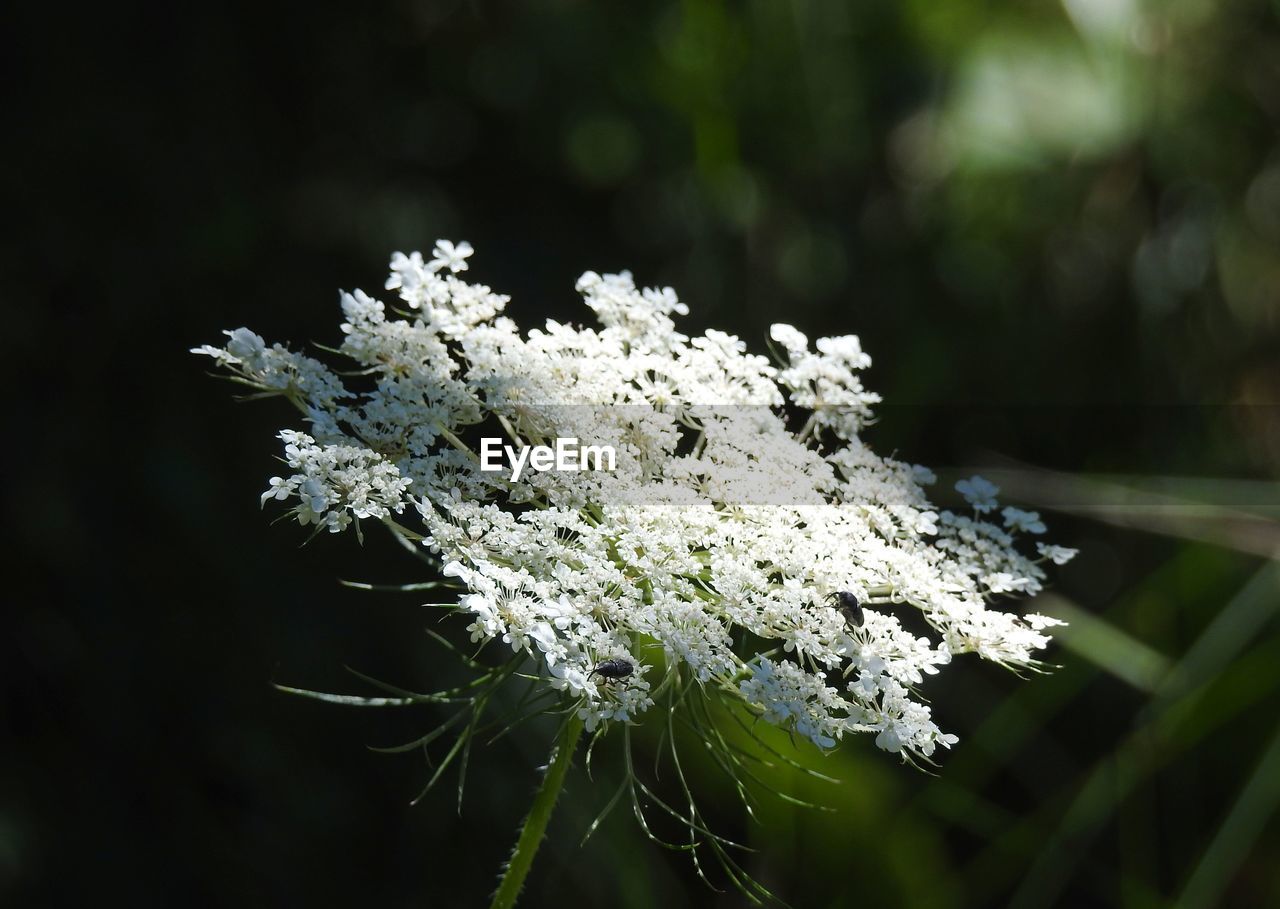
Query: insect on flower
<point>850,608</point>
<point>612,670</point>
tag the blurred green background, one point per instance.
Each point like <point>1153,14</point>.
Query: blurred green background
<point>1055,226</point>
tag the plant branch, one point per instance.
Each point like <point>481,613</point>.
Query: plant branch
<point>535,825</point>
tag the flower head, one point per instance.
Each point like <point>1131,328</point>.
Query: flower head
<point>709,554</point>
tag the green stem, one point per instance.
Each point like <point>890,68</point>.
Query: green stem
<point>535,825</point>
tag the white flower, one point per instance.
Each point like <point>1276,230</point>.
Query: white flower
<point>1058,555</point>
<point>246,346</point>
<point>335,483</point>
<point>1025,521</point>
<point>923,475</point>
<point>721,524</point>
<point>1001,582</point>
<point>793,342</point>
<point>979,493</point>
<point>446,255</point>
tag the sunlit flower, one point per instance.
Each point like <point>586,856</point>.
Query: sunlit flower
<point>711,552</point>
<point>446,255</point>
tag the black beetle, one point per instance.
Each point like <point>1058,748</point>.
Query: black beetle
<point>850,607</point>
<point>612,670</point>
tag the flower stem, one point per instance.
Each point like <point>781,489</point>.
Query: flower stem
<point>535,825</point>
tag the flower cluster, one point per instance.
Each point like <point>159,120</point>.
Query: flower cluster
<point>713,549</point>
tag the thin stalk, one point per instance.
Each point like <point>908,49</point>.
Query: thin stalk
<point>535,825</point>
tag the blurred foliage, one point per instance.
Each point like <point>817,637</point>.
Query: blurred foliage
<point>1055,225</point>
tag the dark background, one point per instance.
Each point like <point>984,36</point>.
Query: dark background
<point>1056,228</point>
